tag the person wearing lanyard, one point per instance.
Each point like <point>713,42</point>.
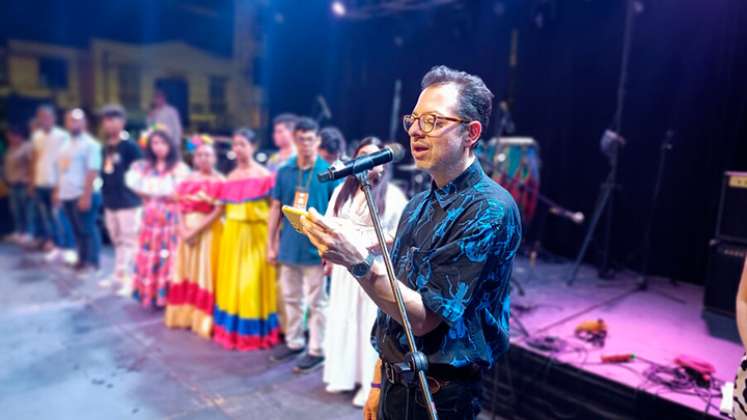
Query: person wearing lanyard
<point>301,273</point>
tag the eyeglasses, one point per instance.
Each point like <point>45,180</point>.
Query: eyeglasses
<point>427,122</point>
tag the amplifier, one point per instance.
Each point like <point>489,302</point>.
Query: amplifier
<point>725,262</point>
<point>732,209</point>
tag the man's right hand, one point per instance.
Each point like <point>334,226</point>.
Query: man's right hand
<point>56,199</point>
<point>272,253</point>
<point>371,409</point>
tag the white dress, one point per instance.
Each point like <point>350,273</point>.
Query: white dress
<point>350,357</point>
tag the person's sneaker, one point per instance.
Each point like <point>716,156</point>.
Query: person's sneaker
<point>70,257</point>
<point>26,240</point>
<point>284,352</point>
<point>106,282</point>
<point>125,292</point>
<point>14,238</point>
<point>52,255</point>
<point>86,271</point>
<point>308,363</point>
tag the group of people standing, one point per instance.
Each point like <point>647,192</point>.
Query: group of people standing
<point>212,249</point>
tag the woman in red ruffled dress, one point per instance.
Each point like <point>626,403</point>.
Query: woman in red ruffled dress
<point>192,292</point>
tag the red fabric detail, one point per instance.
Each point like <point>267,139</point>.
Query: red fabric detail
<point>247,189</point>
<point>189,193</point>
<point>189,293</point>
<point>234,341</point>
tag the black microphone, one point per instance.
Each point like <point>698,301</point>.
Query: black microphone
<point>390,153</point>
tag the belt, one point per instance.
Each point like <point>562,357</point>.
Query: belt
<point>438,375</point>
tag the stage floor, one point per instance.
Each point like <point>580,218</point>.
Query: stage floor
<point>70,350</point>
<point>656,325</point>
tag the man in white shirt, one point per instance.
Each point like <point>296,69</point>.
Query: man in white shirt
<point>167,115</point>
<point>47,141</point>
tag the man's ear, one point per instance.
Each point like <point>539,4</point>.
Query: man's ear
<point>474,130</point>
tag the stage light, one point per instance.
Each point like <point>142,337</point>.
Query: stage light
<point>338,8</point>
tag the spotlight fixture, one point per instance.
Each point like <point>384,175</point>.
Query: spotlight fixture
<point>338,8</point>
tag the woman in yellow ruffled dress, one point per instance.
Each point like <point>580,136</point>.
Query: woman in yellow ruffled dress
<point>191,295</point>
<point>245,305</point>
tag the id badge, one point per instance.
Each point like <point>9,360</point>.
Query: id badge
<point>301,198</point>
<point>108,165</point>
<point>65,163</point>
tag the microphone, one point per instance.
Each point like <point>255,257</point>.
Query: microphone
<point>390,153</point>
<point>575,217</point>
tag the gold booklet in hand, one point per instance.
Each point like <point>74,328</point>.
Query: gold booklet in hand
<point>294,217</point>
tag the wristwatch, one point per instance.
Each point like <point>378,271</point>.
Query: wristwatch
<point>361,270</point>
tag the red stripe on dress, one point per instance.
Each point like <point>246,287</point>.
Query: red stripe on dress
<point>187,292</point>
<point>235,341</point>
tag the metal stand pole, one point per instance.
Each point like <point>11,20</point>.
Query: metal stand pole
<point>604,196</point>
<point>666,146</point>
<point>415,359</point>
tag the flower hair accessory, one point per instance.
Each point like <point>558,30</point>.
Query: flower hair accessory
<point>198,140</point>
<point>143,139</point>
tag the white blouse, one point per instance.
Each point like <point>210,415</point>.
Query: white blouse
<point>144,179</point>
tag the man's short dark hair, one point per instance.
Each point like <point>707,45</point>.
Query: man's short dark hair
<point>287,119</point>
<point>475,99</point>
<point>333,141</point>
<point>306,124</point>
<point>48,108</point>
<point>112,111</point>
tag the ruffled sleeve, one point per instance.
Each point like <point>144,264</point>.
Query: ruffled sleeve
<point>237,191</point>
<point>134,178</point>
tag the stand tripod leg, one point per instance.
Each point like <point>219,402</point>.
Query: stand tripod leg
<point>601,204</point>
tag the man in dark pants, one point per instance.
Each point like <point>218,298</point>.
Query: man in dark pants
<point>78,167</point>
<point>452,255</point>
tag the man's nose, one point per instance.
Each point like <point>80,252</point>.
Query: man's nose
<point>415,131</point>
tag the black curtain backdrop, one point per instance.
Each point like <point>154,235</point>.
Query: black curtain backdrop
<point>687,73</point>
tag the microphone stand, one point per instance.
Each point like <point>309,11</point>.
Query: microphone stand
<point>416,360</point>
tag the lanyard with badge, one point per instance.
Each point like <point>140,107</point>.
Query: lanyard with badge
<point>301,197</point>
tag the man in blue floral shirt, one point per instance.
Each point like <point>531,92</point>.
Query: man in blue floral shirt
<point>452,255</point>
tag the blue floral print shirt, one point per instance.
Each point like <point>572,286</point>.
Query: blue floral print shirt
<point>455,245</point>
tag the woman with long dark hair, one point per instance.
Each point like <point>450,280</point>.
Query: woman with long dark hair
<point>351,314</point>
<point>155,179</point>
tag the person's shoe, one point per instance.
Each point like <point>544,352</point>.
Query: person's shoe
<point>308,363</point>
<point>70,257</point>
<point>14,238</point>
<point>284,352</point>
<point>125,292</point>
<point>107,282</point>
<point>26,240</point>
<point>86,271</point>
<point>53,255</point>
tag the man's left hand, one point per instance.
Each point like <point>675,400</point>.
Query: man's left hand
<point>84,203</point>
<point>335,239</point>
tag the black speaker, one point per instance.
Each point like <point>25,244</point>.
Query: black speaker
<point>725,264</point>
<point>732,209</point>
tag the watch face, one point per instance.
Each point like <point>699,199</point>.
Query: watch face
<point>362,269</point>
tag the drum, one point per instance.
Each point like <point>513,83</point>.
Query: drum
<point>516,166</point>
